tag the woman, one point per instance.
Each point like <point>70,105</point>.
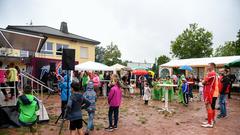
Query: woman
<point>114,101</point>
<point>2,81</point>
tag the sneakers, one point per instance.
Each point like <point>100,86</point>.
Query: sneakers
<point>207,125</point>
<point>220,116</point>
<point>115,127</point>
<point>205,122</point>
<point>109,129</point>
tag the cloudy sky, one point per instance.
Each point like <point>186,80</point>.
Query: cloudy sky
<point>142,29</point>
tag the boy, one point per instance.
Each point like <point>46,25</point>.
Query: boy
<point>200,84</point>
<point>74,114</point>
<point>27,106</point>
<point>185,91</point>
<point>91,96</point>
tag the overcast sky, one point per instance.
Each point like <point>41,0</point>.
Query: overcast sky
<point>142,29</point>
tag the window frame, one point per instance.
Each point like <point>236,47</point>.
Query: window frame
<point>44,49</point>
<point>59,53</point>
<point>87,55</point>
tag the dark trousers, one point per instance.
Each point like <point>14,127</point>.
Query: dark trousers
<point>190,94</point>
<point>185,98</point>
<point>213,105</point>
<point>115,111</point>
<point>11,84</point>
<point>63,107</point>
<point>141,89</point>
<point>146,102</point>
<point>3,90</point>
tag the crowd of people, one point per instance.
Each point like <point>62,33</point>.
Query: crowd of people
<point>82,90</point>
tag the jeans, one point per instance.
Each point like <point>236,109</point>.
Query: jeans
<point>222,103</point>
<point>190,94</point>
<point>90,125</point>
<point>112,110</point>
<point>185,98</point>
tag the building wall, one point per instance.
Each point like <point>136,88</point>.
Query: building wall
<point>72,45</point>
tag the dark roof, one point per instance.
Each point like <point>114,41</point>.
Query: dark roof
<point>49,31</point>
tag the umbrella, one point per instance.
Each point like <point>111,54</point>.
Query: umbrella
<point>186,67</point>
<point>140,72</point>
<point>235,63</point>
<point>139,68</point>
<point>151,73</point>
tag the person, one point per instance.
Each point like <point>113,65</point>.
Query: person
<point>2,81</point>
<point>185,91</point>
<point>147,93</point>
<point>12,78</point>
<point>131,89</point>
<point>224,87</point>
<point>141,84</point>
<point>96,82</point>
<point>65,92</point>
<point>156,89</point>
<point>200,89</point>
<point>232,78</point>
<point>190,85</point>
<point>85,80</point>
<point>91,96</point>
<point>169,89</point>
<point>27,106</point>
<point>180,94</point>
<point>74,106</point>
<point>114,101</point>
<point>210,93</point>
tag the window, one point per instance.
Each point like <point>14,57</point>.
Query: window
<point>60,48</point>
<point>47,48</point>
<point>83,52</point>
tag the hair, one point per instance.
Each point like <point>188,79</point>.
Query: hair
<point>168,77</point>
<point>1,63</point>
<point>212,64</point>
<point>146,84</point>
<point>75,86</point>
<point>27,89</point>
<point>226,70</point>
<point>11,65</point>
<point>116,79</point>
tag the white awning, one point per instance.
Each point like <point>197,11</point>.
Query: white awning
<point>118,66</point>
<point>200,62</point>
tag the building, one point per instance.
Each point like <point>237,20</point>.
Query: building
<point>56,41</point>
<point>199,65</point>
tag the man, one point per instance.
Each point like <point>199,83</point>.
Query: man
<point>211,93</point>
<point>224,86</point>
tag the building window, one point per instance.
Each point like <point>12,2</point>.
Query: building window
<point>60,48</point>
<point>83,52</point>
<point>47,48</point>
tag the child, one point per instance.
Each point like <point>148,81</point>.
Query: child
<point>91,96</point>
<point>114,101</point>
<point>185,91</point>
<point>73,112</point>
<point>131,88</point>
<point>27,106</point>
<point>147,93</point>
<point>64,91</point>
<point>200,90</point>
<point>155,91</point>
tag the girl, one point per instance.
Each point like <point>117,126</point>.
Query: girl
<point>114,101</point>
<point>200,90</point>
<point>147,93</point>
<point>131,89</point>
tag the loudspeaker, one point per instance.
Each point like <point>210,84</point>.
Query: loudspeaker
<point>52,67</point>
<point>68,59</point>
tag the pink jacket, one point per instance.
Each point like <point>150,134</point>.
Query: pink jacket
<point>115,96</point>
<point>2,76</point>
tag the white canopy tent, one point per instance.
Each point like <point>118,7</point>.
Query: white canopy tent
<point>93,66</point>
<point>118,67</point>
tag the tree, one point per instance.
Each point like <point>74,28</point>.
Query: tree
<point>230,48</point>
<point>99,54</point>
<point>194,42</point>
<point>162,59</point>
<point>112,55</point>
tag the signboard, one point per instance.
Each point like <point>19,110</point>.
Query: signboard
<point>9,52</point>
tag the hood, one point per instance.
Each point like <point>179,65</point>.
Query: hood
<point>25,100</point>
<point>90,85</point>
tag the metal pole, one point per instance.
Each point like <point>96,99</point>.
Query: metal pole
<point>166,99</point>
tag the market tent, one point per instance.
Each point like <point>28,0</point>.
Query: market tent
<point>118,67</point>
<point>93,66</point>
<point>200,62</point>
<point>235,63</point>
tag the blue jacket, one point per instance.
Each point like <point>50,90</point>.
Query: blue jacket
<point>74,106</point>
<point>63,88</point>
<point>184,87</point>
<point>91,96</point>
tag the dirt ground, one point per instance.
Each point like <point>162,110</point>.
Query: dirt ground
<point>137,118</point>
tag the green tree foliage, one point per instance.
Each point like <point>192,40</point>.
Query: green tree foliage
<point>194,42</point>
<point>112,55</point>
<point>99,54</point>
<point>230,48</point>
<point>162,59</point>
